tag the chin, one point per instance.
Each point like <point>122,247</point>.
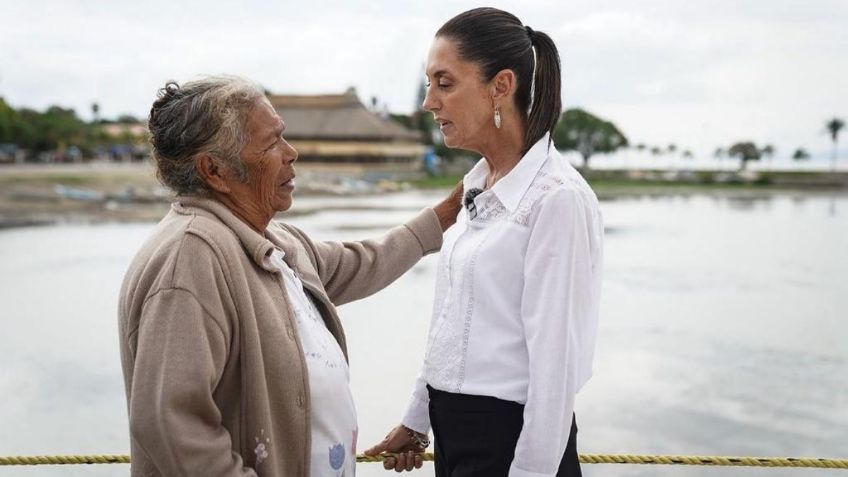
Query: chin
<point>282,204</point>
<point>451,143</point>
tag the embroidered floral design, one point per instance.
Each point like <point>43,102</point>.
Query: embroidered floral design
<point>261,449</point>
<point>337,456</point>
<point>490,209</point>
<point>448,348</point>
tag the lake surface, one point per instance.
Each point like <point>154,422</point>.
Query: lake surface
<point>724,331</point>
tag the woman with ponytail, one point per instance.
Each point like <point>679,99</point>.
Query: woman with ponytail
<point>515,315</point>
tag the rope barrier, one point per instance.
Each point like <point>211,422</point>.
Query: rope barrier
<point>716,461</point>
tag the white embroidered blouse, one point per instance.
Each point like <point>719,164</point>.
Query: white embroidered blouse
<point>516,304</point>
<point>333,416</point>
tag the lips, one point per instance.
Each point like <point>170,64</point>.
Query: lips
<point>288,183</point>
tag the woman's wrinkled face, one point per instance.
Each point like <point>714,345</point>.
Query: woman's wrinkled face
<point>270,164</point>
<point>459,98</point>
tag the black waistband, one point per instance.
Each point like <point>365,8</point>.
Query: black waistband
<point>470,402</point>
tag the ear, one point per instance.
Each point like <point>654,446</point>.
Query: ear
<point>212,173</point>
<point>503,86</point>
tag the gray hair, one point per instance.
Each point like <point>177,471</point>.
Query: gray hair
<point>205,116</point>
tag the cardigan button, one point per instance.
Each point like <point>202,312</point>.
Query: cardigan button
<point>300,400</point>
<point>290,332</point>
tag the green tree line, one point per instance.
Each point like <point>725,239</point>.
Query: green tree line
<point>55,128</point>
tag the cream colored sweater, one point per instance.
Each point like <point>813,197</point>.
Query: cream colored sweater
<point>212,363</point>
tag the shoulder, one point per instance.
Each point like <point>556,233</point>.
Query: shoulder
<point>182,247</point>
<point>557,189</point>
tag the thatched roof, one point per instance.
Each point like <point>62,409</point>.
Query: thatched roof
<point>337,117</point>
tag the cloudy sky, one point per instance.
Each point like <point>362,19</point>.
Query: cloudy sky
<point>697,73</point>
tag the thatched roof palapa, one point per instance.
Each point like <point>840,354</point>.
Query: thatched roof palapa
<point>337,117</point>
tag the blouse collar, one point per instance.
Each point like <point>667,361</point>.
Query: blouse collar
<point>512,187</point>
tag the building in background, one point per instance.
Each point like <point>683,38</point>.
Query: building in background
<point>336,134</point>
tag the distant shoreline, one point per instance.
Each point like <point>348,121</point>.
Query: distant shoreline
<point>121,193</point>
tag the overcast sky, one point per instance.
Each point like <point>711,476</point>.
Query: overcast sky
<point>697,73</point>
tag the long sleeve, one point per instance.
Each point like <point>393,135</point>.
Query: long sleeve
<point>179,360</point>
<point>354,270</point>
<point>556,303</point>
<point>417,414</point>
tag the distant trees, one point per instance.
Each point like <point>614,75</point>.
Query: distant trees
<point>800,154</point>
<point>768,151</point>
<point>9,123</point>
<point>59,129</point>
<point>834,126</point>
<point>53,129</point>
<point>587,134</point>
<point>745,151</point>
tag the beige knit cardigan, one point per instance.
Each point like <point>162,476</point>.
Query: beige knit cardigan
<point>214,371</point>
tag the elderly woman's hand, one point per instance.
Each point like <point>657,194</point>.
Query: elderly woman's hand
<point>448,209</point>
<point>406,449</point>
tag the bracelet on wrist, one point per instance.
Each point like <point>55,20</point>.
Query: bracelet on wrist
<point>422,441</point>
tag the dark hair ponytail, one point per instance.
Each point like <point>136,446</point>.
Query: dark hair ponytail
<point>547,98</point>
<point>497,40</point>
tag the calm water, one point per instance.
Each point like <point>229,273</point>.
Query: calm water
<point>723,331</point>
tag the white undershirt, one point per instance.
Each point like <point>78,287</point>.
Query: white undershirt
<point>516,304</point>
<point>333,415</point>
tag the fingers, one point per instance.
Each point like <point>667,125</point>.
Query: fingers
<point>377,449</point>
<point>383,446</point>
<point>404,461</point>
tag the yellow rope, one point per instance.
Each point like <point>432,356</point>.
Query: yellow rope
<point>584,458</point>
<point>64,459</point>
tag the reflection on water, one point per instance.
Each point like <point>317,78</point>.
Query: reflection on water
<point>723,331</point>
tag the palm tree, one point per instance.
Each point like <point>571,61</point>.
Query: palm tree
<point>768,152</point>
<point>801,154</point>
<point>834,126</point>
<point>745,151</point>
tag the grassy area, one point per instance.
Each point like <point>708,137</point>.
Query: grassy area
<point>439,182</point>
<point>703,182</point>
<point>447,182</point>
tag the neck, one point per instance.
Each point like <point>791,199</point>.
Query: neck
<point>252,216</point>
<point>503,152</point>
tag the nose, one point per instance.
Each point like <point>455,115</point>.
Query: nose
<point>292,156</point>
<point>429,103</point>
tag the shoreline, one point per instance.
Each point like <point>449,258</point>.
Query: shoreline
<point>123,193</point>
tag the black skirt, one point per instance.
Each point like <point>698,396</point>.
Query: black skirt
<point>475,436</point>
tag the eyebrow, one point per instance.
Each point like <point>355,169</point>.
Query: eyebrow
<point>437,74</point>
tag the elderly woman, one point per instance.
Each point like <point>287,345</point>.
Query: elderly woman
<point>516,306</point>
<point>233,355</point>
